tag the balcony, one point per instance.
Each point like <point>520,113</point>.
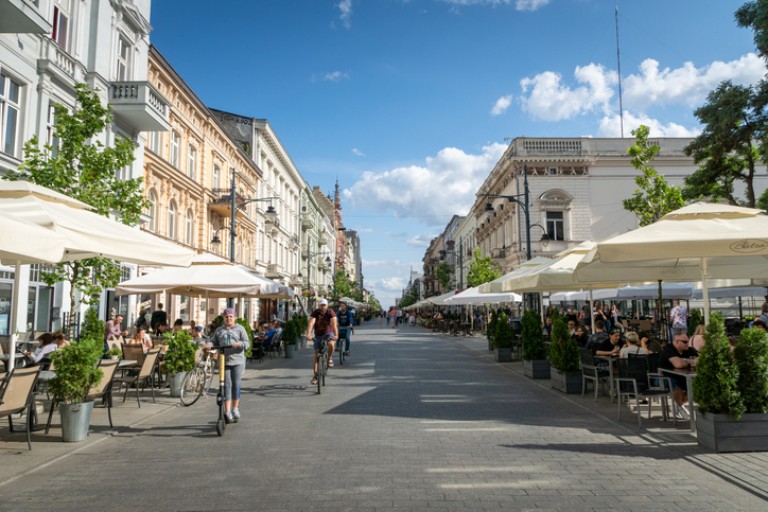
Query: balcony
<point>22,17</point>
<point>273,271</point>
<point>222,204</point>
<point>323,239</point>
<point>499,254</point>
<point>306,221</point>
<point>58,64</point>
<point>140,105</point>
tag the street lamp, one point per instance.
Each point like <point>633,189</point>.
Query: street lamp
<point>524,204</point>
<point>270,214</point>
<point>310,255</point>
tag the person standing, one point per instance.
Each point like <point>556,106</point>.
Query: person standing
<point>159,317</point>
<point>679,318</point>
<point>113,331</point>
<point>322,324</point>
<point>232,337</point>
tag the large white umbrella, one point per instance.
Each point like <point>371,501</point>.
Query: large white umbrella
<point>208,276</point>
<point>695,243</point>
<point>474,296</point>
<point>497,285</point>
<point>440,300</point>
<point>81,233</point>
<point>22,242</point>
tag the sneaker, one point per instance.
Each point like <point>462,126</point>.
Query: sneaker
<point>229,418</point>
<point>346,354</point>
<point>236,415</point>
<point>330,363</point>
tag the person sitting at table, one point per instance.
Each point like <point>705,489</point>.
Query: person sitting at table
<point>178,325</point>
<point>632,346</point>
<point>677,356</point>
<point>140,337</point>
<point>580,337</point>
<point>113,330</point>
<point>47,345</point>
<point>193,329</point>
<point>59,339</point>
<point>611,346</point>
<point>648,343</point>
<point>270,334</point>
<point>697,340</point>
<point>758,324</point>
<point>599,337</point>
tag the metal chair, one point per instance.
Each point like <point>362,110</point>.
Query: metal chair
<point>17,396</point>
<point>591,371</point>
<point>145,374</point>
<point>634,381</point>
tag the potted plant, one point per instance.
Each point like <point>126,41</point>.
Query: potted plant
<point>244,323</point>
<point>303,322</point>
<point>290,337</point>
<point>535,364</point>
<point>179,358</point>
<point>76,373</point>
<point>502,339</point>
<point>114,353</point>
<point>565,374</point>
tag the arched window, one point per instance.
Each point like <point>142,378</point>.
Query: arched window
<point>555,205</point>
<point>172,220</point>
<point>152,211</point>
<point>189,228</point>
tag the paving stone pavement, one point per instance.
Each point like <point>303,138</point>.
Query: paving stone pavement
<point>415,421</point>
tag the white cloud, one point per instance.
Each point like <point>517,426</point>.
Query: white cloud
<point>345,6</point>
<point>420,240</point>
<point>551,100</point>
<point>335,76</point>
<point>520,5</point>
<point>548,96</point>
<point>501,105</point>
<point>429,193</point>
<point>390,283</point>
<point>610,126</point>
<point>687,85</point>
<point>357,152</point>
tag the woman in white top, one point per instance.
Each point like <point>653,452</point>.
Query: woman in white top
<point>47,345</point>
<point>632,346</point>
<point>697,340</point>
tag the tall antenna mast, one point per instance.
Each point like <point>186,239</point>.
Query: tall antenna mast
<point>618,59</point>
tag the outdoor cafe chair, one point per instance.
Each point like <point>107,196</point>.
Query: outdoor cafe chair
<point>146,373</point>
<point>17,396</point>
<point>133,352</point>
<point>103,390</point>
<point>591,371</point>
<point>634,381</point>
<point>275,347</point>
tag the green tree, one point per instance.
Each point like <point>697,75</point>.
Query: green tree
<point>82,167</point>
<point>444,273</point>
<point>342,286</point>
<point>654,197</point>
<point>725,150</point>
<point>411,296</point>
<point>482,269</point>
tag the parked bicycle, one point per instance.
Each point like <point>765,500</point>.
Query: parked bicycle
<point>199,381</point>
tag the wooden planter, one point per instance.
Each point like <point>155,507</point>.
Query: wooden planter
<point>504,355</point>
<point>567,382</point>
<point>536,369</point>
<point>721,434</point>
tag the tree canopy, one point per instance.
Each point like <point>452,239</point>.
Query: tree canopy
<point>482,269</point>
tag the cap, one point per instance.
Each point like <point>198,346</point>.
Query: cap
<point>323,302</point>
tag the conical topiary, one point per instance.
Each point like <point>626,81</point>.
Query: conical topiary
<point>751,355</point>
<point>563,352</point>
<point>533,340</point>
<point>504,335</point>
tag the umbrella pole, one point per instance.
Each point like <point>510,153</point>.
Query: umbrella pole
<point>591,310</point>
<point>13,326</point>
<point>704,266</point>
<point>661,312</point>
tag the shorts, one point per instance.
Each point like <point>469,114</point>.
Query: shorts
<point>317,342</point>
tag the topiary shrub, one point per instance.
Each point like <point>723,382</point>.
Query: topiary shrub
<point>249,332</point>
<point>563,352</point>
<point>751,356</point>
<point>490,330</point>
<point>696,318</point>
<point>76,369</point>
<point>92,327</point>
<point>503,336</point>
<point>717,375</point>
<point>533,340</point>
<point>180,355</point>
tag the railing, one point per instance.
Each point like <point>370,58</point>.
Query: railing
<point>131,93</point>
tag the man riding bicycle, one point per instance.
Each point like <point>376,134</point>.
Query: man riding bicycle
<point>346,320</point>
<point>322,324</point>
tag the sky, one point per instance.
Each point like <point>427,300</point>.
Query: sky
<point>409,104</point>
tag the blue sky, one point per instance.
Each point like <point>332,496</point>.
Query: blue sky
<point>407,102</point>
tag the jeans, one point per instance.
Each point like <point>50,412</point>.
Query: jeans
<point>232,377</point>
<point>344,333</point>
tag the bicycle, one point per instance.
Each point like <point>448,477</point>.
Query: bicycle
<point>344,334</point>
<point>198,382</point>
<point>322,362</point>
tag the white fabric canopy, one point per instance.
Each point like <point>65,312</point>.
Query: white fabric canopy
<point>474,296</point>
<point>208,276</point>
<point>695,243</point>
<point>497,285</point>
<point>651,291</point>
<point>439,300</point>
<point>22,242</point>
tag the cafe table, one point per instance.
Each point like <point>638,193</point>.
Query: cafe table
<point>689,375</point>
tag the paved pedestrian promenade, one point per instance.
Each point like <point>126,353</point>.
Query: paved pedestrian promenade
<point>415,421</point>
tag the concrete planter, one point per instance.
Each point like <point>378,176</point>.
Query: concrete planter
<point>721,434</point>
<point>567,382</point>
<point>536,369</point>
<point>504,355</point>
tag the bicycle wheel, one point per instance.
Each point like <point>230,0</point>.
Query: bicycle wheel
<point>324,371</point>
<point>341,352</point>
<point>319,372</point>
<point>192,387</point>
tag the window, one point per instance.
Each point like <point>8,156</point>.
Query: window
<point>191,161</point>
<point>122,72</point>
<point>10,93</point>
<point>555,225</point>
<point>172,220</point>
<point>189,228</point>
<point>61,17</point>
<point>175,140</point>
<point>52,138</point>
<point>152,212</point>
<point>215,176</point>
<point>154,142</point>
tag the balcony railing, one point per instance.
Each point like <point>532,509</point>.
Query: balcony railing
<point>140,104</point>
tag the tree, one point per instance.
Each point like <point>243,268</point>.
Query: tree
<point>411,296</point>
<point>83,168</point>
<point>654,197</point>
<point>725,149</point>
<point>342,285</point>
<point>444,274</point>
<point>482,269</point>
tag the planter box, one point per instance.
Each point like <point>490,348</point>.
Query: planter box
<point>567,382</point>
<point>536,369</point>
<point>504,355</point>
<point>721,434</point>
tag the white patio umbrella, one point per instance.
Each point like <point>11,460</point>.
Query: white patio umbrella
<point>439,300</point>
<point>497,285</point>
<point>695,243</point>
<point>474,296</point>
<point>82,233</point>
<point>22,242</point>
